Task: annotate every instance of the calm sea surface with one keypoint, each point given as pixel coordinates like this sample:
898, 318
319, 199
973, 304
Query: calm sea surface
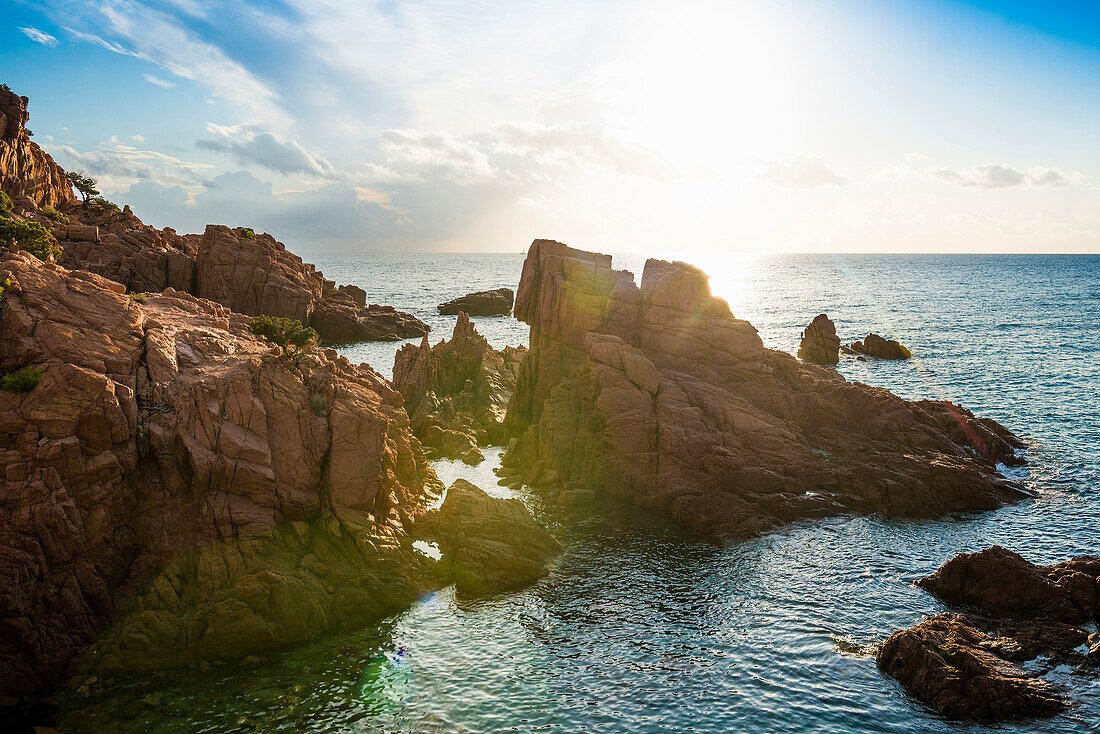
642, 629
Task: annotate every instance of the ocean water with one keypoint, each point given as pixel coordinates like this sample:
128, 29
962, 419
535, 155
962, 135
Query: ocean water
641, 628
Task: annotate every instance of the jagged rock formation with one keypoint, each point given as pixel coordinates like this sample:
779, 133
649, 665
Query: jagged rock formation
876, 346
159, 428
25, 169
457, 392
967, 666
659, 396
497, 302
820, 344
489, 544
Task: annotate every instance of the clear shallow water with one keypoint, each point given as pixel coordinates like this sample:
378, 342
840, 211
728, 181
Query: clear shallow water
643, 629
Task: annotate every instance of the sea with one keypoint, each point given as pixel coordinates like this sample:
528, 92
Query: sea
641, 627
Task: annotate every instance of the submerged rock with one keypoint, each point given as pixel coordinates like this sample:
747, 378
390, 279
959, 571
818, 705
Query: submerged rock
456, 392
659, 396
496, 302
967, 666
820, 344
161, 427
489, 544
876, 346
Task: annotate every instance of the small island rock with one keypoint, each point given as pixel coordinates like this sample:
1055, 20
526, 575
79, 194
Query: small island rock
820, 344
497, 302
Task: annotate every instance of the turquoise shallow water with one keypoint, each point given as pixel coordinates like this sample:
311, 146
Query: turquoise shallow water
642, 629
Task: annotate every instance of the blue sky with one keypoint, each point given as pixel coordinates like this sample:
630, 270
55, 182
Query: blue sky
854, 125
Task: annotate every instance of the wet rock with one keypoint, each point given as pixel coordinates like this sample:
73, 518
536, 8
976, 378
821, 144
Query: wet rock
953, 666
489, 544
820, 344
659, 396
876, 346
966, 666
496, 302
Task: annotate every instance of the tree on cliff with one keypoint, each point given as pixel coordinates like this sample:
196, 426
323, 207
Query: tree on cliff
286, 333
86, 185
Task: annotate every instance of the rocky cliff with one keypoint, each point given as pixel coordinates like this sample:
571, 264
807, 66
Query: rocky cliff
25, 169
659, 396
162, 432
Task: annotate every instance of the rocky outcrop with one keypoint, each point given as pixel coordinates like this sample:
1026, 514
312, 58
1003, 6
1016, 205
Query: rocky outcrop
659, 396
968, 666
489, 544
255, 274
496, 302
168, 456
820, 344
25, 169
457, 392
876, 346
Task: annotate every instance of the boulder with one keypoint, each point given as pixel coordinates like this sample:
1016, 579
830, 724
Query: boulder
170, 467
820, 344
25, 169
968, 666
489, 544
876, 346
497, 302
657, 395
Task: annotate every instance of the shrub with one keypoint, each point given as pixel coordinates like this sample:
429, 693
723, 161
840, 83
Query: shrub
30, 236
100, 201
139, 297
6, 204
5, 87
247, 233
318, 403
53, 214
24, 380
286, 333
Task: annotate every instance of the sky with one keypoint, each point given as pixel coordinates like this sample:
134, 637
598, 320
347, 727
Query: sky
616, 125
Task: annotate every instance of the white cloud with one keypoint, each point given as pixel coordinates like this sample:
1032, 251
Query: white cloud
578, 144
265, 148
40, 37
995, 176
156, 80
101, 42
117, 164
435, 155
803, 172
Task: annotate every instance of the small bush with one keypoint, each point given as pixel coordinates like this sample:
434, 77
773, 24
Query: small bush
101, 202
4, 285
24, 380
286, 333
53, 214
6, 204
139, 297
247, 233
318, 403
30, 236
5, 87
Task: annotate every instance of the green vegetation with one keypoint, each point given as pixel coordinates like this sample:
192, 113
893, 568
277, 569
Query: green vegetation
247, 233
85, 185
286, 333
139, 297
24, 380
30, 236
5, 87
6, 204
53, 214
101, 202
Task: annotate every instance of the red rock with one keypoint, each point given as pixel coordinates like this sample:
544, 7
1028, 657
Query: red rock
876, 346
496, 302
659, 396
25, 169
820, 344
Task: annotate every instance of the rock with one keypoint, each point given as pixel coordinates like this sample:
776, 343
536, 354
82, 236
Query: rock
999, 582
966, 666
25, 169
489, 544
820, 344
456, 393
874, 345
170, 469
82, 233
950, 664
659, 396
496, 302
473, 456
